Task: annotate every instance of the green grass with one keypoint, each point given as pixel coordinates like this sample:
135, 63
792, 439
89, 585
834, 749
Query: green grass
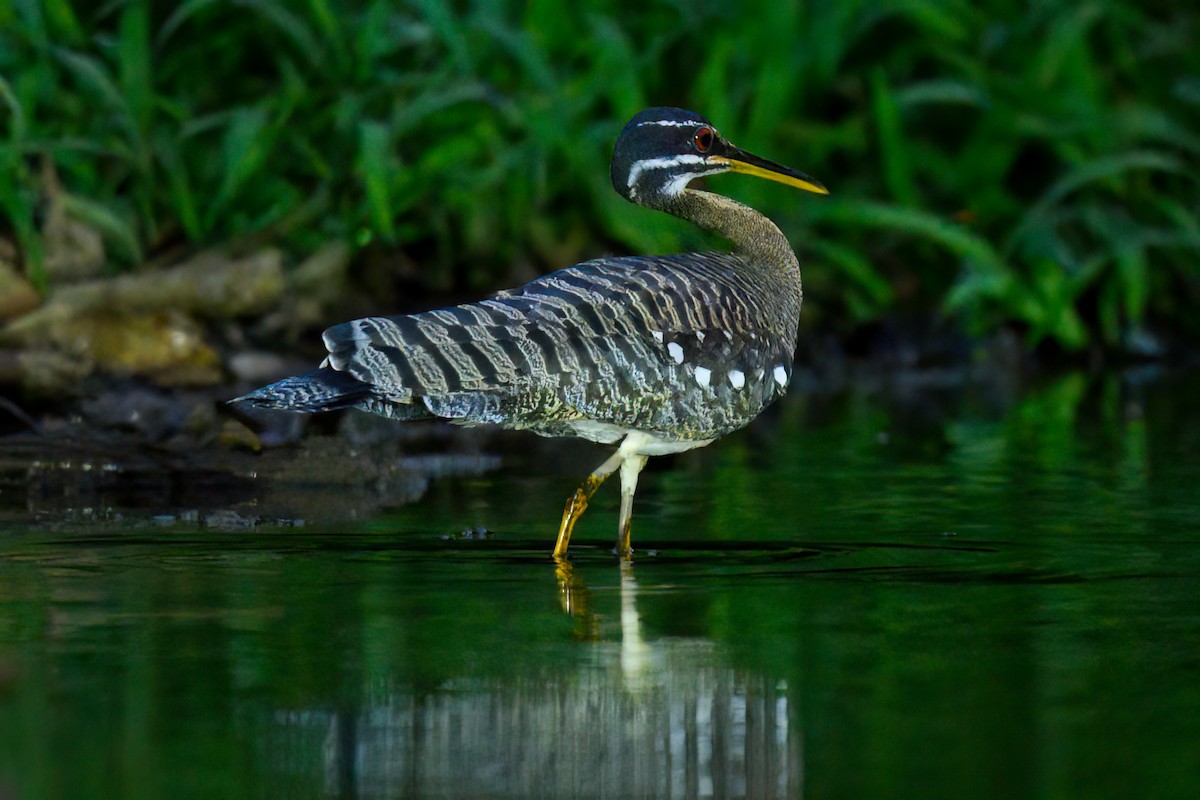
1006, 164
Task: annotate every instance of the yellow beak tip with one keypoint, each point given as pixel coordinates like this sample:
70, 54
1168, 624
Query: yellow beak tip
799, 181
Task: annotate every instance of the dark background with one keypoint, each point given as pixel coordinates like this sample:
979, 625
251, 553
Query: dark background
994, 166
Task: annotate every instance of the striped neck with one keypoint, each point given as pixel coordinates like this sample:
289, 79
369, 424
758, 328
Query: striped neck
754, 237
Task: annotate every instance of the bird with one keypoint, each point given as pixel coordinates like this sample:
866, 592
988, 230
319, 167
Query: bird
655, 354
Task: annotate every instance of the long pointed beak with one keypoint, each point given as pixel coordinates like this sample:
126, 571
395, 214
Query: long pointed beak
748, 163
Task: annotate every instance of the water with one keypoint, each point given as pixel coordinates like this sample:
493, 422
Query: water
899, 590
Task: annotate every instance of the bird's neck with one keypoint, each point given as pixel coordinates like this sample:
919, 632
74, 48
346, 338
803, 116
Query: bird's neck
754, 237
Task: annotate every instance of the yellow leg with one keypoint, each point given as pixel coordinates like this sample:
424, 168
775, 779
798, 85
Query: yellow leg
630, 468
579, 501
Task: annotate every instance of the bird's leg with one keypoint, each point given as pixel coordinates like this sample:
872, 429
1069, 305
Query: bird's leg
630, 468
579, 501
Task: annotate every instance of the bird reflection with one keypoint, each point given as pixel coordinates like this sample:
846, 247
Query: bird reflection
635, 653
576, 601
622, 713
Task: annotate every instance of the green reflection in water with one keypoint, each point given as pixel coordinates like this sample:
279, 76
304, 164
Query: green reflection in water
870, 594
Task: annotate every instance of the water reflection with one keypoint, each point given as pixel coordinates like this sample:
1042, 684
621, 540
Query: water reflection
634, 717
859, 595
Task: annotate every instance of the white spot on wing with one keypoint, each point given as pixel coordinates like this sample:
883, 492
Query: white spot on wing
728, 336
781, 375
658, 336
702, 376
676, 352
737, 378
700, 335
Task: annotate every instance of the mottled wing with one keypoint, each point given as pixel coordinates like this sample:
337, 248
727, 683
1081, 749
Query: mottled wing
666, 345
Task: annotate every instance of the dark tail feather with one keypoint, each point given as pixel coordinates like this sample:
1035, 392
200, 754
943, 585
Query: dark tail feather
322, 389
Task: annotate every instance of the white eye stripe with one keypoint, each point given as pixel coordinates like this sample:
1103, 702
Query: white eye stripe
639, 167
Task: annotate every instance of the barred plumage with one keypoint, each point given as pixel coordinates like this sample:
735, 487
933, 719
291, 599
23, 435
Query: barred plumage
663, 353
614, 340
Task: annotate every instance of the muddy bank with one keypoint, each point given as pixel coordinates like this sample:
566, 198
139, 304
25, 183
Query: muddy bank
113, 394
348, 467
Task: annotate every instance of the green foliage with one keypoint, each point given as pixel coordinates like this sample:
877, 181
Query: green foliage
1004, 162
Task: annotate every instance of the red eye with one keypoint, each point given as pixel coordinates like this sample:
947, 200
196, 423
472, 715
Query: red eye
703, 139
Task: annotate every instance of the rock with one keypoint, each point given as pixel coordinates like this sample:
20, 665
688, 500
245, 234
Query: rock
273, 428
153, 415
258, 367
1140, 342
73, 249
167, 347
321, 275
236, 435
201, 422
209, 285
17, 295
143, 324
314, 288
46, 372
441, 465
226, 519
10, 367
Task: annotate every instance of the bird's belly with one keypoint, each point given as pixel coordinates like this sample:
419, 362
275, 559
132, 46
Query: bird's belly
636, 442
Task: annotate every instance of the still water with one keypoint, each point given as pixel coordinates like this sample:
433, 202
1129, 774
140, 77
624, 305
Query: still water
887, 591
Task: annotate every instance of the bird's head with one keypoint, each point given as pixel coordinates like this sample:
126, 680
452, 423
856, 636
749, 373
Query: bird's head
662, 149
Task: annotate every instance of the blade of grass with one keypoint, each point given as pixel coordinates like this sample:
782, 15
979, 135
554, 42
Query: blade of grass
851, 263
1091, 172
914, 222
178, 18
615, 64
303, 41
167, 151
114, 228
134, 68
1134, 273
376, 169
893, 151
15, 113
62, 22
244, 148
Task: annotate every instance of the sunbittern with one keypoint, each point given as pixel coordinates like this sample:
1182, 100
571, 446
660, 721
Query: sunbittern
661, 353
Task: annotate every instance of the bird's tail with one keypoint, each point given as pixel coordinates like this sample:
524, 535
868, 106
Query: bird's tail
323, 389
